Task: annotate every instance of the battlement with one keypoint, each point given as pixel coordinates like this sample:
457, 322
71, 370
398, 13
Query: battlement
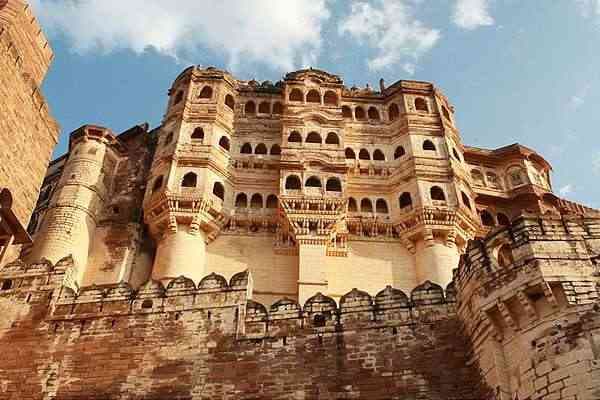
532, 239
426, 303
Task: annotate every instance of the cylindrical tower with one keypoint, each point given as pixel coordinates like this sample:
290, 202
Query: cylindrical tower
188, 186
69, 223
435, 260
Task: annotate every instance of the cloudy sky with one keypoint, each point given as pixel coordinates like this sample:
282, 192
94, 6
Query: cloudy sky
516, 71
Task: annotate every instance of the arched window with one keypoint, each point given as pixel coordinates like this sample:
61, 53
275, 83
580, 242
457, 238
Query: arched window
256, 201
219, 190
477, 177
6, 284
393, 112
493, 180
363, 154
313, 181
516, 176
178, 97
296, 95
158, 182
246, 149
293, 182
189, 180
313, 96
366, 205
399, 152
381, 206
405, 200
295, 137
260, 149
313, 137
352, 205
224, 142
275, 150
373, 113
421, 104
445, 113
264, 107
277, 108
346, 112
437, 193
486, 218
250, 107
241, 200
330, 98
378, 155
350, 154
503, 219
428, 145
198, 134
229, 102
272, 201
359, 113
206, 92
455, 154
505, 256
465, 200
333, 185
168, 139
332, 138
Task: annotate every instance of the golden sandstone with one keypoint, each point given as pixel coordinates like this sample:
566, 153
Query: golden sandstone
217, 256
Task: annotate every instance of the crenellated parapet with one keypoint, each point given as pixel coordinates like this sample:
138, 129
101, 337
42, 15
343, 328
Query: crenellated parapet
427, 303
181, 295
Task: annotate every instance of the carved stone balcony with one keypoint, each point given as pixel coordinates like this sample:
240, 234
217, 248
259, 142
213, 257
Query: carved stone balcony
193, 207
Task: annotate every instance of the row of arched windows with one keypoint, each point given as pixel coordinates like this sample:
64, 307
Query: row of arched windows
190, 180
378, 155
314, 137
293, 182
260, 148
313, 96
405, 202
256, 201
366, 205
487, 218
363, 154
264, 107
491, 177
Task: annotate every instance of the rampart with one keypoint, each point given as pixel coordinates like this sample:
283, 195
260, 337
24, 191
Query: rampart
211, 341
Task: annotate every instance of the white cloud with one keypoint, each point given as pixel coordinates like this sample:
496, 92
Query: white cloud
565, 190
391, 29
596, 163
578, 99
472, 14
588, 8
281, 33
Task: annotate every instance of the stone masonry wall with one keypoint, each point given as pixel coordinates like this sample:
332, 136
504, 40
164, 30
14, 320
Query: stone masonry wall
212, 342
28, 133
529, 296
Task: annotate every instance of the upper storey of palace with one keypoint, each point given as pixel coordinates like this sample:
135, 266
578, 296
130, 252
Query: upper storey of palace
374, 137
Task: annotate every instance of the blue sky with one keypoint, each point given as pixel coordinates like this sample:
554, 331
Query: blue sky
516, 71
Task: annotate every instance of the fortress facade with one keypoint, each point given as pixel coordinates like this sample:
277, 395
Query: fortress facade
289, 240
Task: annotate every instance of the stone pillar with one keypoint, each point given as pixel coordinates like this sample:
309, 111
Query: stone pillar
180, 253
312, 274
69, 223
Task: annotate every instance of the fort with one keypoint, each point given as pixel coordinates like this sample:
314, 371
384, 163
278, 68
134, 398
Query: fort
290, 240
